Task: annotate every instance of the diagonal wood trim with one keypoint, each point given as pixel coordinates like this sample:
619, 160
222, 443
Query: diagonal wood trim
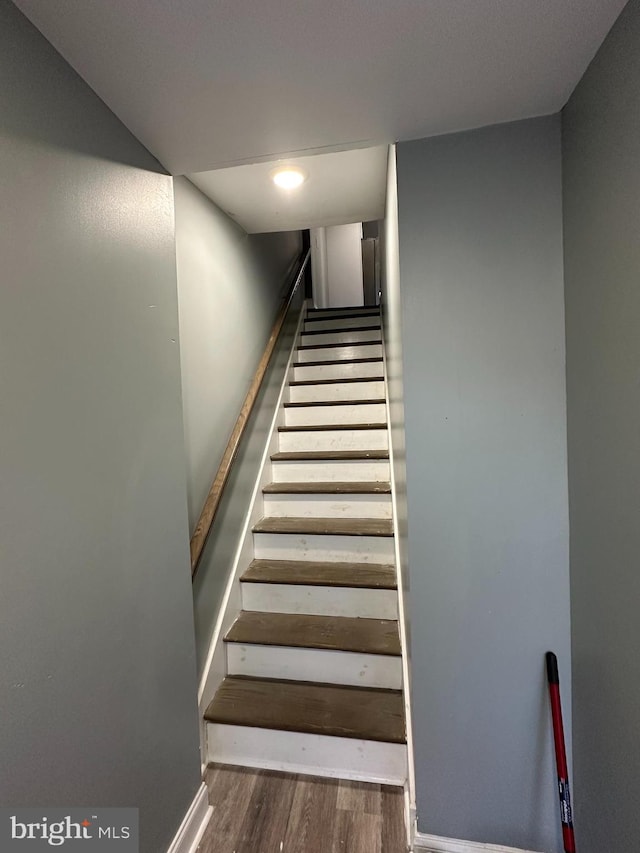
212, 502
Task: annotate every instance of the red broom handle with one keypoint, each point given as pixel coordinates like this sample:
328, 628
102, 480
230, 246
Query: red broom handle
561, 756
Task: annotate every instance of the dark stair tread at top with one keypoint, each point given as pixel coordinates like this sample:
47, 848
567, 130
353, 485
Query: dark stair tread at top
370, 401
324, 427
334, 346
335, 633
337, 361
312, 573
365, 713
345, 329
325, 526
337, 381
327, 455
374, 487
329, 317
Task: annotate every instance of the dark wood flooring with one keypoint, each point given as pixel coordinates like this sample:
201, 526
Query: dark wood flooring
261, 811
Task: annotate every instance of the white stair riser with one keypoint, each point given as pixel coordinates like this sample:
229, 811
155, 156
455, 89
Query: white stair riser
326, 439
333, 323
320, 600
336, 391
327, 506
316, 471
348, 370
331, 548
358, 413
317, 755
325, 666
337, 353
341, 337
341, 312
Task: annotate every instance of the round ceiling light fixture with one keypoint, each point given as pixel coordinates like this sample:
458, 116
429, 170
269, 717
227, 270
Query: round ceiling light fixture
288, 177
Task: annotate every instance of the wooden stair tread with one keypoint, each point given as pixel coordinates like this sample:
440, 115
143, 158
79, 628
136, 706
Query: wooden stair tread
321, 427
337, 361
374, 487
367, 402
327, 455
312, 573
337, 633
336, 381
324, 709
345, 329
335, 346
326, 526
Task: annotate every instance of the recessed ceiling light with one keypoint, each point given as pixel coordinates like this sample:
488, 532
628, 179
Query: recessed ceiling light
288, 177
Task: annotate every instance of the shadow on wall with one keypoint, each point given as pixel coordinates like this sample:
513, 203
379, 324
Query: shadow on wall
83, 131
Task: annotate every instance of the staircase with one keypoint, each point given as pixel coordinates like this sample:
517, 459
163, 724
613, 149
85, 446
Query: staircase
314, 664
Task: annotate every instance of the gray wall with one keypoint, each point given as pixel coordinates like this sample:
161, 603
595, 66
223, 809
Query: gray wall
97, 674
601, 157
230, 288
483, 352
230, 284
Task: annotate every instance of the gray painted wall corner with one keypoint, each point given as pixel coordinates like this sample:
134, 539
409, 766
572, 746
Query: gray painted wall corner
601, 183
97, 673
481, 278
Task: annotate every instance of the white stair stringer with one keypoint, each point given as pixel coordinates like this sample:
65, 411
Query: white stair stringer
335, 379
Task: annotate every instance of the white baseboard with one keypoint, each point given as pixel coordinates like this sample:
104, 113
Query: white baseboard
437, 844
194, 824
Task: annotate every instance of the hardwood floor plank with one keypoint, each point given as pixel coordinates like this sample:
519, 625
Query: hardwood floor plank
313, 816
230, 792
394, 835
360, 797
357, 832
268, 814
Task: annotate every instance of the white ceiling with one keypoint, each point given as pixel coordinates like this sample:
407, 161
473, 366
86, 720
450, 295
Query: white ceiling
210, 83
343, 187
